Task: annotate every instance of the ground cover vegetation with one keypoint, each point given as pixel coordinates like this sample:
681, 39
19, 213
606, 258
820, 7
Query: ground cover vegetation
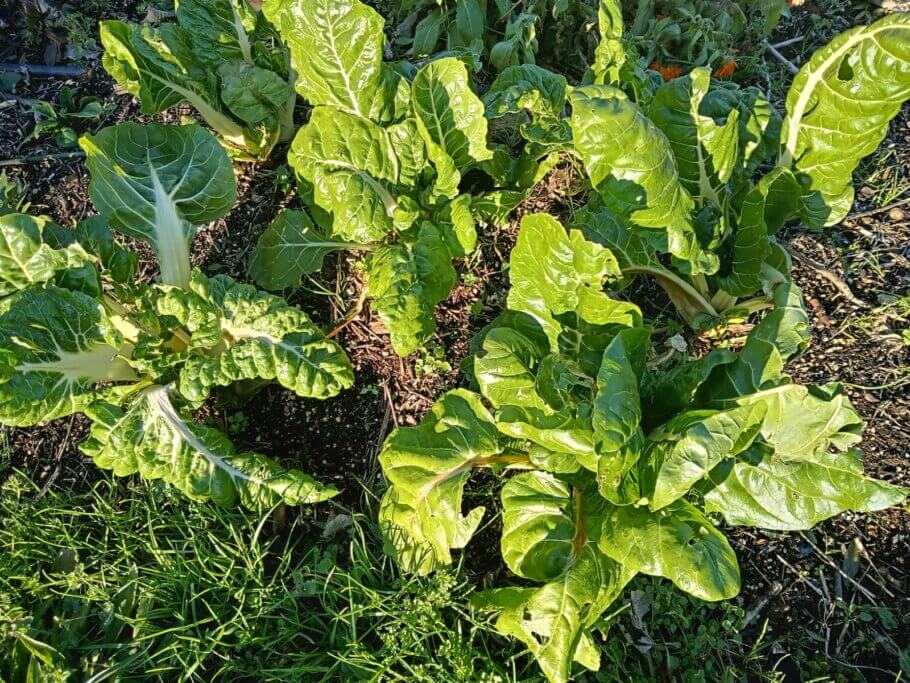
599, 434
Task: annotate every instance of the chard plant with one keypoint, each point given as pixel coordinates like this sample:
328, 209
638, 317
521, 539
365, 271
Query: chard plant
79, 334
222, 58
708, 172
383, 164
612, 465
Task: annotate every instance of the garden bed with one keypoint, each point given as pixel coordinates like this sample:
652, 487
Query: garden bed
834, 597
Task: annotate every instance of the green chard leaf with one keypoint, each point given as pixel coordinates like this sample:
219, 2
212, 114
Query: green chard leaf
220, 28
669, 392
540, 93
427, 467
538, 525
761, 490
158, 182
635, 255
617, 406
25, 256
765, 209
632, 167
693, 443
706, 148
291, 247
610, 54
677, 542
550, 534
336, 51
554, 272
406, 282
506, 368
354, 169
208, 61
153, 438
838, 110
261, 337
450, 118
159, 67
251, 93
95, 236
55, 345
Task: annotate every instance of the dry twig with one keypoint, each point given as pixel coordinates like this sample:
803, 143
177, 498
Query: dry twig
841, 286
779, 57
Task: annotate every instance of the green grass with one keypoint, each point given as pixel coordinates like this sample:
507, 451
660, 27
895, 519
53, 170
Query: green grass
128, 581
134, 583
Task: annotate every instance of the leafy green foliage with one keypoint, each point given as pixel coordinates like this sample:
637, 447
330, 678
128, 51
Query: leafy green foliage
507, 34
77, 334
61, 121
861, 77
221, 57
156, 183
692, 188
623, 464
382, 164
694, 33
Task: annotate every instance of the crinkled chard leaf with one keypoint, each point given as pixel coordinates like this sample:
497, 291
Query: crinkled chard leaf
25, 256
220, 28
406, 282
632, 167
152, 437
54, 346
553, 272
354, 169
506, 368
565, 431
336, 50
538, 525
260, 337
540, 93
610, 54
450, 118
